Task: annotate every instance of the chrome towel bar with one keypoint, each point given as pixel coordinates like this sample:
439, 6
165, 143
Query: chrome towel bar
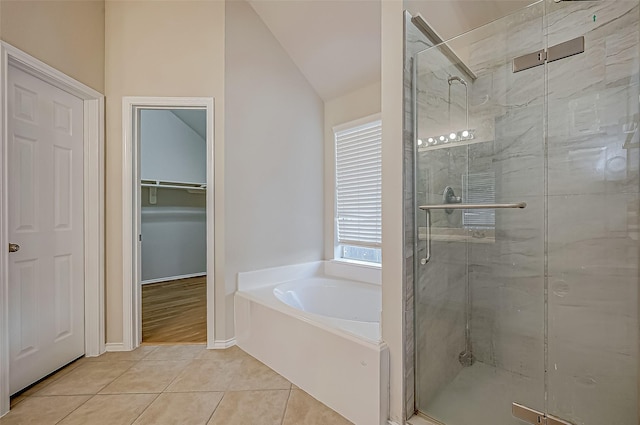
471, 206
428, 208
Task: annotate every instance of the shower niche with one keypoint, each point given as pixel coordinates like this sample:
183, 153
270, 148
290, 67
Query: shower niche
525, 229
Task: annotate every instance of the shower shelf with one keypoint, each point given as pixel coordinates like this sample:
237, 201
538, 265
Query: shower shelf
458, 235
451, 145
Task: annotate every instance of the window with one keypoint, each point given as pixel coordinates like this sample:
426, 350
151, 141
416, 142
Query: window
479, 188
359, 191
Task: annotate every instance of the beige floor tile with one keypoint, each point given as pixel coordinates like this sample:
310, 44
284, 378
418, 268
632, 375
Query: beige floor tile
251, 408
231, 353
54, 377
146, 376
42, 410
255, 375
206, 375
180, 408
135, 355
88, 378
121, 409
302, 409
177, 352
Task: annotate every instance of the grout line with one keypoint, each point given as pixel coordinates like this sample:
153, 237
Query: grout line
188, 363
145, 409
216, 408
286, 406
79, 406
96, 393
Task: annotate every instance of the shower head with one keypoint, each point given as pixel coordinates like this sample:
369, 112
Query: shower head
458, 79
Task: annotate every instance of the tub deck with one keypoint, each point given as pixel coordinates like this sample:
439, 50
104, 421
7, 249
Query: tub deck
343, 365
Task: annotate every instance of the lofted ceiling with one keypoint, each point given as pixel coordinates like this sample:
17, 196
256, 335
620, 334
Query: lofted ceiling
194, 118
336, 43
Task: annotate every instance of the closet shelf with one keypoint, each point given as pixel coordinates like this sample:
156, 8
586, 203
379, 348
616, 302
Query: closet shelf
174, 185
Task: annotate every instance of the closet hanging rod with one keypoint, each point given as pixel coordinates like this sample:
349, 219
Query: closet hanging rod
471, 206
194, 186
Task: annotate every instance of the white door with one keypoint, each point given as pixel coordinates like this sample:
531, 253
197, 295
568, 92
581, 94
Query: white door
46, 274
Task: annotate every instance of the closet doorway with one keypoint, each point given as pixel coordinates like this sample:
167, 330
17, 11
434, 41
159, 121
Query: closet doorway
171, 220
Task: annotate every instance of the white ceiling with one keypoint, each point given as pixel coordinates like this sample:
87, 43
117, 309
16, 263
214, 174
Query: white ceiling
336, 43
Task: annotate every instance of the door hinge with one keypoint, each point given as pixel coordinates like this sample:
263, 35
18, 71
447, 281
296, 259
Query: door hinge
554, 53
535, 417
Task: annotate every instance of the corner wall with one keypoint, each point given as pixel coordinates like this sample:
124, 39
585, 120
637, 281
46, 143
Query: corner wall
168, 48
273, 154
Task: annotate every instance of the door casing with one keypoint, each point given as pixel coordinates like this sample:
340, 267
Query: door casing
93, 130
132, 294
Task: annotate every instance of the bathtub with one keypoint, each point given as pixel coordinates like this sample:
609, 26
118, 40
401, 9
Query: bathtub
320, 328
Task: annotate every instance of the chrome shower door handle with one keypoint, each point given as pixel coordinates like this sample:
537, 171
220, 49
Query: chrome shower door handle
14, 247
427, 257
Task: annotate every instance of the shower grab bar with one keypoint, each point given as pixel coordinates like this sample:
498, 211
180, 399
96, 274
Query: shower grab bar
428, 208
471, 206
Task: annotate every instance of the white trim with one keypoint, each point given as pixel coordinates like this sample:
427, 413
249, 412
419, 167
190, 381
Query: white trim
114, 346
170, 278
131, 297
93, 205
221, 345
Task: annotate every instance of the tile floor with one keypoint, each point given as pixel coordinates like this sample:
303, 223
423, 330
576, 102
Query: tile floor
168, 385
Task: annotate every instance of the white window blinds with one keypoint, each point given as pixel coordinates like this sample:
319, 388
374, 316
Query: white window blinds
359, 185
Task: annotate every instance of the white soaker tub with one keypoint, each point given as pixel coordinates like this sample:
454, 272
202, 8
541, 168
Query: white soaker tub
322, 332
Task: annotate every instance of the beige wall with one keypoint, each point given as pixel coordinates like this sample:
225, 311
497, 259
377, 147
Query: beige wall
349, 107
67, 35
274, 154
158, 48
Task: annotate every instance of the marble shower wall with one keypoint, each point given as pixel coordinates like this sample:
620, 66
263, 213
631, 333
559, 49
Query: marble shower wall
507, 275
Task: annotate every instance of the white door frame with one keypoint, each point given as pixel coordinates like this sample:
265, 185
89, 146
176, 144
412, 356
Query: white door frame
93, 205
132, 297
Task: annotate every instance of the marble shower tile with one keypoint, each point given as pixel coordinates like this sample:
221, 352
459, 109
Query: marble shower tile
590, 386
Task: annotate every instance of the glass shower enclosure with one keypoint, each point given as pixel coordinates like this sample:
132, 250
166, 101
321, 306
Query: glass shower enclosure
525, 219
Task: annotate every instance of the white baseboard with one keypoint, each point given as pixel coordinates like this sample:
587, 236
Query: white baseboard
221, 345
392, 423
167, 279
114, 346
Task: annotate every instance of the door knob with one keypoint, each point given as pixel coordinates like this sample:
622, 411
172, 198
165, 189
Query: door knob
14, 247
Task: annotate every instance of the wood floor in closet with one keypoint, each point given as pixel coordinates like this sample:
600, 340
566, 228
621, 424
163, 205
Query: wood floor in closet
175, 311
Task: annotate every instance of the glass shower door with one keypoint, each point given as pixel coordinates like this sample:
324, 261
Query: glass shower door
479, 293
593, 186
534, 307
